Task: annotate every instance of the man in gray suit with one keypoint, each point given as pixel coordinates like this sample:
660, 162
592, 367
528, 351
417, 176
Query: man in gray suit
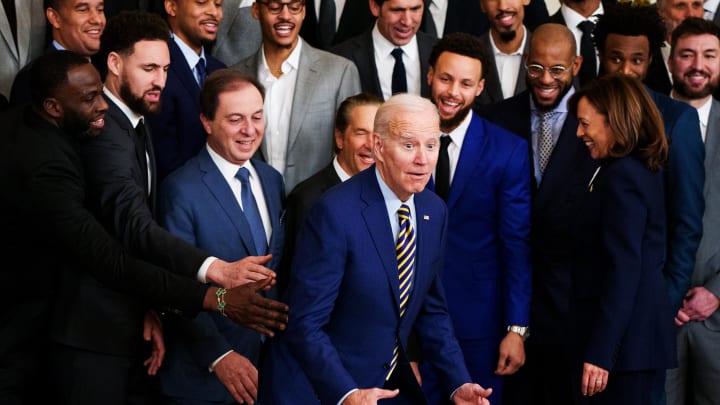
504, 44
239, 33
22, 33
695, 69
304, 88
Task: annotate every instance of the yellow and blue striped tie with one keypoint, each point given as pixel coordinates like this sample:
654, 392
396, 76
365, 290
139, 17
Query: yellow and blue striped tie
405, 253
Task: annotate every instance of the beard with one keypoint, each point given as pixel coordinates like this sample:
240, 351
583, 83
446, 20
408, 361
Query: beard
138, 104
78, 126
688, 93
544, 108
507, 36
452, 122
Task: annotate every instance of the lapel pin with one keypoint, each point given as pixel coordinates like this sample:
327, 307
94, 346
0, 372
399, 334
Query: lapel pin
426, 217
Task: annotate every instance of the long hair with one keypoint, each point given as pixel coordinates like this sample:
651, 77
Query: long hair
635, 122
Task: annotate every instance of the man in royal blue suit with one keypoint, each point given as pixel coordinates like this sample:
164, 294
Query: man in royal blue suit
484, 176
205, 202
178, 133
365, 273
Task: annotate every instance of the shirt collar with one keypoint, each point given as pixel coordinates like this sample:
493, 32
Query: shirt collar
391, 200
561, 108
457, 135
385, 47
342, 174
228, 169
518, 51
291, 63
711, 5
704, 112
573, 18
188, 53
130, 114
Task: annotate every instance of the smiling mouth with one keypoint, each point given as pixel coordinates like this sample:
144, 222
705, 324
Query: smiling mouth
284, 28
98, 123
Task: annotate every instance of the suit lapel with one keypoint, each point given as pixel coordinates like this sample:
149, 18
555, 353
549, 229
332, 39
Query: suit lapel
492, 81
561, 161
422, 223
469, 152
307, 77
220, 190
125, 124
272, 204
712, 141
520, 85
179, 65
230, 12
7, 32
367, 56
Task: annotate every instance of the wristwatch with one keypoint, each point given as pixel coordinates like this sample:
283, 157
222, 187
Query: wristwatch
523, 331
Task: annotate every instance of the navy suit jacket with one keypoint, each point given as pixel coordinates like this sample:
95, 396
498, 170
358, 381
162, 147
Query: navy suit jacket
197, 205
487, 272
621, 320
177, 131
554, 200
344, 296
361, 51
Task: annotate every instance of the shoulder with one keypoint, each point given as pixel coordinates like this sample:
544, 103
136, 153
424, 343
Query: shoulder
362, 42
248, 65
425, 41
213, 63
326, 60
496, 133
188, 173
267, 172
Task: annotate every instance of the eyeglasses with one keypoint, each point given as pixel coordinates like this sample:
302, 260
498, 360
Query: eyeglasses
275, 7
535, 70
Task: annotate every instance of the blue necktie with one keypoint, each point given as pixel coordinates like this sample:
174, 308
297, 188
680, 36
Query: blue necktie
201, 72
399, 81
251, 211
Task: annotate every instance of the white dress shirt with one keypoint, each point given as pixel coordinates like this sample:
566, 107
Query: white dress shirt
438, 11
573, 18
341, 173
279, 94
508, 65
385, 63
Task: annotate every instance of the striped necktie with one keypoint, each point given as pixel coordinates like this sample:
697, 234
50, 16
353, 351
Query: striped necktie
405, 253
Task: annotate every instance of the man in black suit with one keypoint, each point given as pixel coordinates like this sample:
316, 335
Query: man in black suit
353, 154
580, 16
561, 170
352, 19
392, 57
45, 219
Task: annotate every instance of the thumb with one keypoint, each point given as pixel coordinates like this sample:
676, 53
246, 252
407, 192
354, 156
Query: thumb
260, 259
387, 393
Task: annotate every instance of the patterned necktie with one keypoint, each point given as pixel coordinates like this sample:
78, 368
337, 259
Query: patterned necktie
405, 254
326, 23
588, 68
251, 211
545, 139
201, 72
399, 81
442, 173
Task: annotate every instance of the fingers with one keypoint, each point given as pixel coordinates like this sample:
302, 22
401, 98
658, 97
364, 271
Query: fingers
594, 379
247, 308
380, 393
502, 364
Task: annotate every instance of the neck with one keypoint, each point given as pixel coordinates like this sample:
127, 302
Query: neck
585, 8
276, 55
511, 46
197, 48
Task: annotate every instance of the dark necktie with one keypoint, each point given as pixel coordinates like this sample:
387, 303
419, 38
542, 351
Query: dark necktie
251, 211
326, 23
442, 172
201, 72
588, 69
405, 254
141, 151
428, 23
9, 6
399, 81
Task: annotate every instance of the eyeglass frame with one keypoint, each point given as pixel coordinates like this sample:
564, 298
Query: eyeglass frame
277, 11
541, 72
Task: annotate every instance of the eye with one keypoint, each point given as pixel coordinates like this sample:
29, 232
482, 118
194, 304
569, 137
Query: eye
638, 61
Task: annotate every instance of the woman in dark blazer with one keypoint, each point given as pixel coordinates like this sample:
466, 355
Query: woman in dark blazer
621, 320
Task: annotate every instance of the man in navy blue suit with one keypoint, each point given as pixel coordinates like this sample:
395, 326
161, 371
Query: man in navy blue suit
483, 174
178, 132
356, 293
204, 203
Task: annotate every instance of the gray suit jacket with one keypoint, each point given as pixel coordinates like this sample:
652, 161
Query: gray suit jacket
31, 40
707, 265
492, 93
238, 35
324, 80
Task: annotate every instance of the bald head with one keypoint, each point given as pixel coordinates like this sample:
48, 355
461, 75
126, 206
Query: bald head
554, 35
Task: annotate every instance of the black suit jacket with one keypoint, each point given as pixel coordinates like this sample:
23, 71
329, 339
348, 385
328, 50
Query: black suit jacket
298, 205
554, 202
46, 223
360, 50
355, 19
658, 77
492, 93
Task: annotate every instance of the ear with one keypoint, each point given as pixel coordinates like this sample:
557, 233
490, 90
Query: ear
576, 65
255, 11
480, 87
53, 107
377, 147
339, 139
206, 124
374, 8
171, 7
430, 73
53, 17
114, 63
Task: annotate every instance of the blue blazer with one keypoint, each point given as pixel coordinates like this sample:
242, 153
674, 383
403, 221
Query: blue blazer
197, 205
177, 131
621, 319
487, 271
344, 300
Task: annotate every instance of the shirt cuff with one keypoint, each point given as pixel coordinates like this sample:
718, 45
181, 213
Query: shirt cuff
346, 395
215, 363
202, 272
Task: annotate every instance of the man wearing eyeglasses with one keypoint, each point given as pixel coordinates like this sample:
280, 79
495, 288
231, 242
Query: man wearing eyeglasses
304, 88
177, 132
561, 168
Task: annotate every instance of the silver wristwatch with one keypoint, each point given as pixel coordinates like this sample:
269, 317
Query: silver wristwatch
523, 331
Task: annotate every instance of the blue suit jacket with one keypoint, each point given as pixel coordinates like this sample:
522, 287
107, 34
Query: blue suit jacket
197, 205
621, 319
177, 131
344, 304
487, 271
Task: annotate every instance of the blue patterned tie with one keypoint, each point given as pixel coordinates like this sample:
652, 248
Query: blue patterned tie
251, 211
405, 254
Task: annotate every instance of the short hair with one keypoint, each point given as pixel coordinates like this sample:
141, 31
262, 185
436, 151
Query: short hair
126, 29
461, 44
693, 26
630, 20
400, 102
222, 81
635, 122
49, 72
342, 118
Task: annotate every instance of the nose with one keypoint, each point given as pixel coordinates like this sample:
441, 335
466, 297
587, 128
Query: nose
697, 62
579, 132
96, 16
626, 68
102, 105
285, 11
159, 78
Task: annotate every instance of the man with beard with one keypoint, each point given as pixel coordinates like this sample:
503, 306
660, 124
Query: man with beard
483, 174
179, 135
122, 185
561, 169
506, 43
695, 68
